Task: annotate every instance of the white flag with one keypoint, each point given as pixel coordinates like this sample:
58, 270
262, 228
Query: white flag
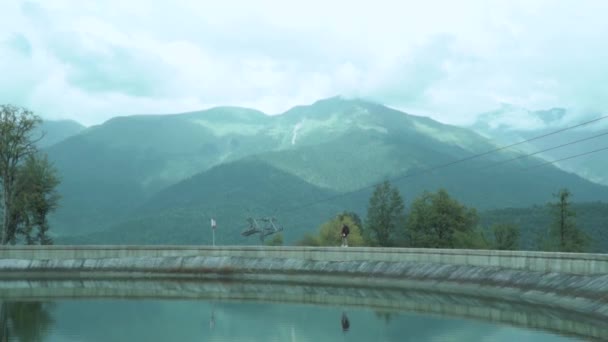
213, 224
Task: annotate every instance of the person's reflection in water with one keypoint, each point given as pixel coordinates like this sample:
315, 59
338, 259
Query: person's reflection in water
345, 322
212, 319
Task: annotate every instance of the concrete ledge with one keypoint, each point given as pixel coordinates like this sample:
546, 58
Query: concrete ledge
572, 263
584, 294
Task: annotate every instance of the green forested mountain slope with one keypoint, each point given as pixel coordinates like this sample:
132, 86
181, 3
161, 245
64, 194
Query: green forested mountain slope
131, 173
591, 217
229, 193
111, 168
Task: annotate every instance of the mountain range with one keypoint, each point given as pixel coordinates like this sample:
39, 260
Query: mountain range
510, 124
160, 178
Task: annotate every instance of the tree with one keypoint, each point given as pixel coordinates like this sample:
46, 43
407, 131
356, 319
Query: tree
25, 321
506, 236
354, 216
27, 179
36, 197
385, 215
277, 240
309, 240
438, 221
564, 236
329, 233
473, 238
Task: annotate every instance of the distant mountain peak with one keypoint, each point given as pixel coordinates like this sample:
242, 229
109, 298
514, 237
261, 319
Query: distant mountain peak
513, 117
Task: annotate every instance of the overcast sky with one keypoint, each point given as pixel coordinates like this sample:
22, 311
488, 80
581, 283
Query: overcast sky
91, 60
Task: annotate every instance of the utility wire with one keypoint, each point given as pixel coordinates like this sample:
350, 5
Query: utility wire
427, 170
570, 157
541, 164
301, 221
541, 151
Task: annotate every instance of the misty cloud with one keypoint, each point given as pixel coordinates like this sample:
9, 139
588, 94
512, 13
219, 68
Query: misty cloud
91, 61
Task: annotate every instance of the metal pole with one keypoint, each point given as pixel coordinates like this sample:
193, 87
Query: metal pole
213, 225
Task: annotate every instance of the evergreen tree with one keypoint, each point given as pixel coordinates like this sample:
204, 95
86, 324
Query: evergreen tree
564, 236
385, 216
506, 236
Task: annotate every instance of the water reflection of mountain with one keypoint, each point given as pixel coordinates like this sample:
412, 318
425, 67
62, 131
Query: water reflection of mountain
25, 321
257, 304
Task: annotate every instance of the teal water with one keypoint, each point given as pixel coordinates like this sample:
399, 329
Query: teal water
107, 319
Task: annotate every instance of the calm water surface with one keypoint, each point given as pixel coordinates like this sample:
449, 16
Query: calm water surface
204, 320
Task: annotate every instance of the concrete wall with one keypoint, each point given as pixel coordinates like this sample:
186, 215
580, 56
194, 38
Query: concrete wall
570, 263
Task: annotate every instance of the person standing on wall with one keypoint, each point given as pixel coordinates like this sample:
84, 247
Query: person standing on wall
345, 232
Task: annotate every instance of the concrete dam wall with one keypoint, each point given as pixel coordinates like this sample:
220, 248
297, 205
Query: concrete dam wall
571, 263
576, 283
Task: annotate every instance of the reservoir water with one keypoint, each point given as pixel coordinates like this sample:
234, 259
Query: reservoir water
227, 312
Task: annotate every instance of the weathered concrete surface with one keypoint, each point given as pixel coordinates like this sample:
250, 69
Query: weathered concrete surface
584, 294
583, 264
576, 283
387, 300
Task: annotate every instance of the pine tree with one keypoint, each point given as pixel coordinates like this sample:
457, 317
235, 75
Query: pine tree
564, 236
506, 236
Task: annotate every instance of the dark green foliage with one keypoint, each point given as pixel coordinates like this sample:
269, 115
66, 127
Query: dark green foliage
329, 233
471, 239
353, 216
111, 169
592, 218
308, 240
563, 234
505, 236
385, 216
25, 321
276, 240
16, 125
35, 198
230, 193
133, 188
27, 178
438, 221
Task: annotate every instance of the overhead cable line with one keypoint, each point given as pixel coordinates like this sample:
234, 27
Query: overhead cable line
541, 151
430, 169
538, 165
566, 158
